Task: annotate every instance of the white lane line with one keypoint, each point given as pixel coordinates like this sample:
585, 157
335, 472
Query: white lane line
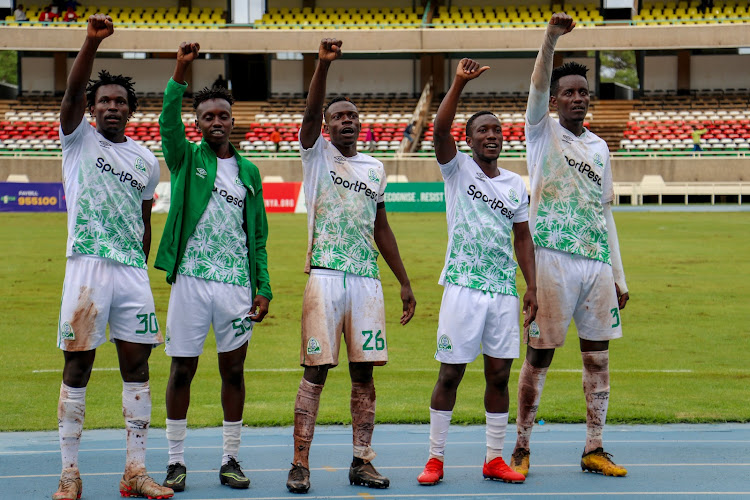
330, 445
413, 370
398, 467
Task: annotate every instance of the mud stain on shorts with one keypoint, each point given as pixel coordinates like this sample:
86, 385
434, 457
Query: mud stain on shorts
83, 323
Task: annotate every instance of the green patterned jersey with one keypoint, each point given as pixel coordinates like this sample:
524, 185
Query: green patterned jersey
342, 195
217, 249
105, 185
481, 212
571, 179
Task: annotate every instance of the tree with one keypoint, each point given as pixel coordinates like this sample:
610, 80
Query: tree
9, 66
619, 66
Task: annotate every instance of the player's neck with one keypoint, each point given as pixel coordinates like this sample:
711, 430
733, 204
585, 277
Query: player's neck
113, 137
222, 150
574, 126
489, 167
348, 150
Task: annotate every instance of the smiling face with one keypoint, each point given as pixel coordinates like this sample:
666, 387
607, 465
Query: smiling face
111, 110
486, 138
214, 119
572, 98
342, 124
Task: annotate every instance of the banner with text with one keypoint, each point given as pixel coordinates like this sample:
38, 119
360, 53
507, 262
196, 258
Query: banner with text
32, 197
415, 197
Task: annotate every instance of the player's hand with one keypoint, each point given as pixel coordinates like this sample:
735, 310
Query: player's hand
259, 309
530, 307
100, 27
560, 24
468, 69
410, 303
622, 298
188, 52
330, 49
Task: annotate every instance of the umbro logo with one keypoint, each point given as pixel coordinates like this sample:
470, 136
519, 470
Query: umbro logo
201, 172
482, 177
567, 139
105, 144
339, 159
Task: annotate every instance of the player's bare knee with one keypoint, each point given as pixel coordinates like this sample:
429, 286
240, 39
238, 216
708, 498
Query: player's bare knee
539, 358
316, 374
360, 373
182, 372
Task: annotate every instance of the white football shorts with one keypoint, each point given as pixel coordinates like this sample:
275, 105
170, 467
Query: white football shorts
473, 322
195, 304
99, 291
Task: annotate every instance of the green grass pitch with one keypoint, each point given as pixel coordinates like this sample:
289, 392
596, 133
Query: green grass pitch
683, 357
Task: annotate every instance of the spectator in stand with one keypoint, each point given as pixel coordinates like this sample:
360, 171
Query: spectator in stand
221, 82
70, 15
275, 138
409, 132
706, 6
697, 133
20, 14
47, 16
370, 139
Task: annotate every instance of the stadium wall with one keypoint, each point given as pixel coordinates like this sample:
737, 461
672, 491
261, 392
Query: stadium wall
425, 169
150, 75
508, 74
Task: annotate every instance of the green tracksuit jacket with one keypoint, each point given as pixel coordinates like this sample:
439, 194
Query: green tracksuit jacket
193, 169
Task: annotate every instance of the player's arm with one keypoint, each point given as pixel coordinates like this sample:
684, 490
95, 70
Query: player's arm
386, 242
73, 104
171, 128
621, 287
312, 120
524, 247
538, 104
146, 206
263, 295
445, 145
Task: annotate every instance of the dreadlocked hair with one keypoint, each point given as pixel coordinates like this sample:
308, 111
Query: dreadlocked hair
569, 68
206, 94
107, 78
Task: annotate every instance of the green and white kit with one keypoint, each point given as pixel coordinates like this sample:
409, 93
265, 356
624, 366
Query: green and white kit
571, 178
105, 185
342, 195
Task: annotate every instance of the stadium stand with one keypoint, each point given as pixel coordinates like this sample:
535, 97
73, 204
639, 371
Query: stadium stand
684, 12
356, 18
136, 17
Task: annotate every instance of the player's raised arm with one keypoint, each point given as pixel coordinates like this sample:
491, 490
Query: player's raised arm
386, 242
445, 145
73, 104
174, 142
329, 51
538, 105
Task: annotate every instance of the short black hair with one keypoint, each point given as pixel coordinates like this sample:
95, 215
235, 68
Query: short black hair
334, 101
474, 117
569, 68
206, 94
107, 78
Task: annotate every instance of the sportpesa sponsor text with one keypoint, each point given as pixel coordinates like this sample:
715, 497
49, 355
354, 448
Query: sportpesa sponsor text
585, 169
125, 177
356, 186
494, 203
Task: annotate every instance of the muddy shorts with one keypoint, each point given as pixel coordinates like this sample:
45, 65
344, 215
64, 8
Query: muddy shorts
98, 291
336, 302
195, 304
474, 322
574, 287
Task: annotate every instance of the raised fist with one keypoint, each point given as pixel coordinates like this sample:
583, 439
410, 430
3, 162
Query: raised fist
188, 52
468, 69
100, 27
330, 49
560, 24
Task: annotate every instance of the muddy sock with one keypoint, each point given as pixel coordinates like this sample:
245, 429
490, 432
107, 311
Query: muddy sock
305, 413
136, 408
530, 385
71, 410
596, 390
363, 419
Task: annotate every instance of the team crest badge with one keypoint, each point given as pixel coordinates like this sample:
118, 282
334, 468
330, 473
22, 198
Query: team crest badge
313, 346
66, 332
598, 160
533, 330
513, 195
444, 343
201, 172
373, 176
140, 165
